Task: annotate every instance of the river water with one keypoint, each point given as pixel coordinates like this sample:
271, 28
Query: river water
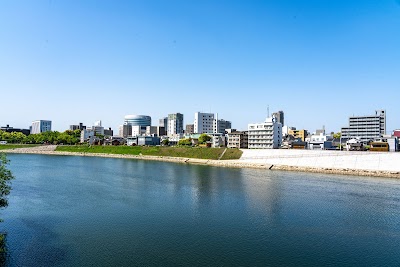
87, 211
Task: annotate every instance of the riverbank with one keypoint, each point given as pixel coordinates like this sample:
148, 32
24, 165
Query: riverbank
165, 151
332, 162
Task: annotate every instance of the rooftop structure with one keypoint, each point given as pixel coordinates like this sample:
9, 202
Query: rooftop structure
137, 120
279, 116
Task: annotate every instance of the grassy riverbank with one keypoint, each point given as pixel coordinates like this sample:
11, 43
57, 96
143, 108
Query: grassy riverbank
12, 146
184, 152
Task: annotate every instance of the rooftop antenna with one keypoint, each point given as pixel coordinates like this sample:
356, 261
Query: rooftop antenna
268, 111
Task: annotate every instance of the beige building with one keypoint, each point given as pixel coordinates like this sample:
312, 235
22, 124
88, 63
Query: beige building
189, 129
238, 139
302, 134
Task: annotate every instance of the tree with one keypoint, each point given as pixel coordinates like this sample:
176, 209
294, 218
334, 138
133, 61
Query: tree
337, 135
165, 142
204, 138
5, 181
185, 142
5, 188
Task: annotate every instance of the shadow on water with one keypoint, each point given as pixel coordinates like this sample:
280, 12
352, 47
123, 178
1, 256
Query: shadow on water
39, 243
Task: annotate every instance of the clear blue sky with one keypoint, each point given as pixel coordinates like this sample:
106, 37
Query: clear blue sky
319, 61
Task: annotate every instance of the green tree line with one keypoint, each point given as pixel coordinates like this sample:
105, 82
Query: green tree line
52, 137
5, 188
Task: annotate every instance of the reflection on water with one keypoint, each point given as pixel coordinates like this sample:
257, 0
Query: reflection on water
3, 249
80, 211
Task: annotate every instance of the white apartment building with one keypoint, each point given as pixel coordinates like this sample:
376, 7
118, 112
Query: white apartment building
218, 140
40, 126
265, 135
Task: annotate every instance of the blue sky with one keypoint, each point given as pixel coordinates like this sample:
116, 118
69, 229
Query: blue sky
319, 61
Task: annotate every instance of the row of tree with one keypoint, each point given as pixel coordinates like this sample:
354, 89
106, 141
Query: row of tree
5, 188
203, 138
52, 137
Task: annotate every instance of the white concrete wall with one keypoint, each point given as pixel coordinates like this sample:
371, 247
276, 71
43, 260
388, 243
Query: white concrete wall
364, 160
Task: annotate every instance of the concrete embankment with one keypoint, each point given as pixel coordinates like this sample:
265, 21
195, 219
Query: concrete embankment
383, 164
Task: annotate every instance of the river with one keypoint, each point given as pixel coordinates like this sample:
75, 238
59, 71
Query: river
88, 211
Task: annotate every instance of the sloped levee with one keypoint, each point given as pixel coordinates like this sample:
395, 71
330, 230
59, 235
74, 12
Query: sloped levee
385, 164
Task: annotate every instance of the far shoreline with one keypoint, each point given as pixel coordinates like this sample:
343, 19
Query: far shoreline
218, 163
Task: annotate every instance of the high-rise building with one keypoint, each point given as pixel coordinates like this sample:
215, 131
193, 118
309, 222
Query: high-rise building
265, 135
125, 130
175, 124
203, 122
366, 128
279, 117
163, 123
40, 126
221, 125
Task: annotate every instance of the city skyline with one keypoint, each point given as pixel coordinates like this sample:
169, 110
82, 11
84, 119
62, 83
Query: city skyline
319, 62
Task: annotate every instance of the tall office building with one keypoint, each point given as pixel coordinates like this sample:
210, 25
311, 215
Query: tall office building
203, 122
175, 124
221, 125
366, 128
163, 123
279, 117
126, 130
40, 126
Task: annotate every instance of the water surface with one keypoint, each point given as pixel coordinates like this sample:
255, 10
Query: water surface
86, 211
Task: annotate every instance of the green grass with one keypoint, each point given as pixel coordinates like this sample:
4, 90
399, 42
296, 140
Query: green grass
232, 153
12, 146
185, 152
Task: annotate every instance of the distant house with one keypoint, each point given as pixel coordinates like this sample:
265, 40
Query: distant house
319, 141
